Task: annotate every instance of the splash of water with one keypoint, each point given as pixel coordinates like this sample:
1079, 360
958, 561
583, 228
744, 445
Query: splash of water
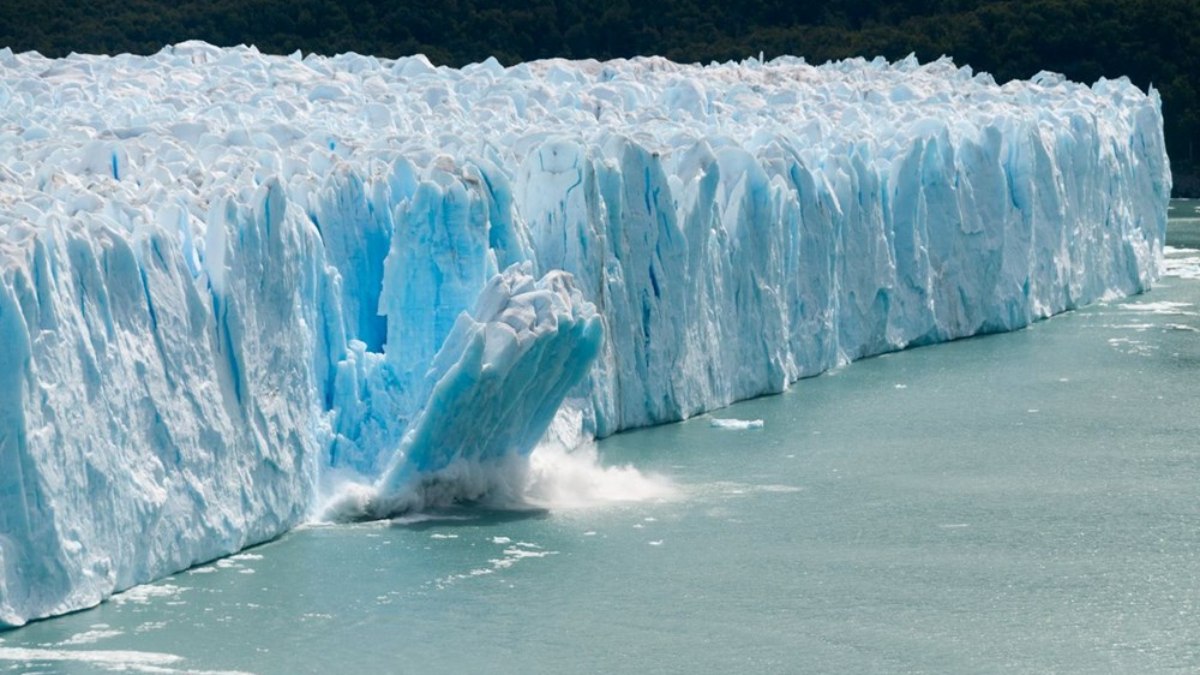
554, 477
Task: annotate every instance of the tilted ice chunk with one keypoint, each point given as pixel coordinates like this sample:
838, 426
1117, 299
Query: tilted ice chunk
498, 381
502, 373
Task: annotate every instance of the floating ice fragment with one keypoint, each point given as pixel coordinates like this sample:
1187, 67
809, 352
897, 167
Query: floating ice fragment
735, 424
141, 595
779, 489
89, 637
1165, 307
107, 659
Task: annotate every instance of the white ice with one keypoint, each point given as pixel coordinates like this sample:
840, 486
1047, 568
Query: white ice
234, 287
736, 424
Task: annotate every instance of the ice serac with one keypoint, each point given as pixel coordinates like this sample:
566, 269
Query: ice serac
236, 288
496, 383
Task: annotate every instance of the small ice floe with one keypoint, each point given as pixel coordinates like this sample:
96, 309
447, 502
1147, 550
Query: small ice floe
1164, 307
1134, 347
106, 659
142, 595
521, 550
97, 633
735, 424
780, 489
1183, 263
1181, 326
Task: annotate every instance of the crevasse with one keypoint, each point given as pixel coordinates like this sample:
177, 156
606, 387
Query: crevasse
234, 287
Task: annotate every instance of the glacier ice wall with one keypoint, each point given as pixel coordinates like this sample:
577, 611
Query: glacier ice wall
232, 285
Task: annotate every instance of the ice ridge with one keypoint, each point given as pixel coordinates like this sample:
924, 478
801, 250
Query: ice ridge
236, 288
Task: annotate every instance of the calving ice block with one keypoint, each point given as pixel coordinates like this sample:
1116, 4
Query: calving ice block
239, 289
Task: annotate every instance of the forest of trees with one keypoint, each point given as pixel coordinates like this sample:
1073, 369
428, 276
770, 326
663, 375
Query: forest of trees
1151, 41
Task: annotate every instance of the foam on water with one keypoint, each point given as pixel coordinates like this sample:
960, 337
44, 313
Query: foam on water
552, 477
512, 554
562, 479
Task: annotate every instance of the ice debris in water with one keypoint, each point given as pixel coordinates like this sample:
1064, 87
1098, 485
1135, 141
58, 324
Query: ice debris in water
1183, 263
736, 424
236, 286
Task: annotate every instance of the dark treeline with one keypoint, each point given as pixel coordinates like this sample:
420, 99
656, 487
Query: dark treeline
1151, 41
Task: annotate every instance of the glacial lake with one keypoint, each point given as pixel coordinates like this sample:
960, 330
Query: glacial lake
1027, 502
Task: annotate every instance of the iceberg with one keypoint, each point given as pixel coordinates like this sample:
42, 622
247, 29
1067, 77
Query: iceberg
239, 290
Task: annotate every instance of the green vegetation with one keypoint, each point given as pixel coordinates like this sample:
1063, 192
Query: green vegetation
1151, 41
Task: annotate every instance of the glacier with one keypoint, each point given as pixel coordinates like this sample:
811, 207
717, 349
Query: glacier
239, 291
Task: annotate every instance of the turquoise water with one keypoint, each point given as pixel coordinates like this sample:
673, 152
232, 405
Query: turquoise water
1183, 225
1026, 502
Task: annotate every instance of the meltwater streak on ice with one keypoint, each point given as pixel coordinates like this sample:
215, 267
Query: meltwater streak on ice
229, 277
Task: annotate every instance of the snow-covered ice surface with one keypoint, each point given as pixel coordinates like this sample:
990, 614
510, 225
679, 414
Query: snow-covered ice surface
237, 288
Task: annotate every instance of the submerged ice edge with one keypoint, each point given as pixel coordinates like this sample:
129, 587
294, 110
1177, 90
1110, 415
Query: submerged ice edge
229, 277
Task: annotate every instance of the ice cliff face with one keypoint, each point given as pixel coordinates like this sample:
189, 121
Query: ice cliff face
231, 283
